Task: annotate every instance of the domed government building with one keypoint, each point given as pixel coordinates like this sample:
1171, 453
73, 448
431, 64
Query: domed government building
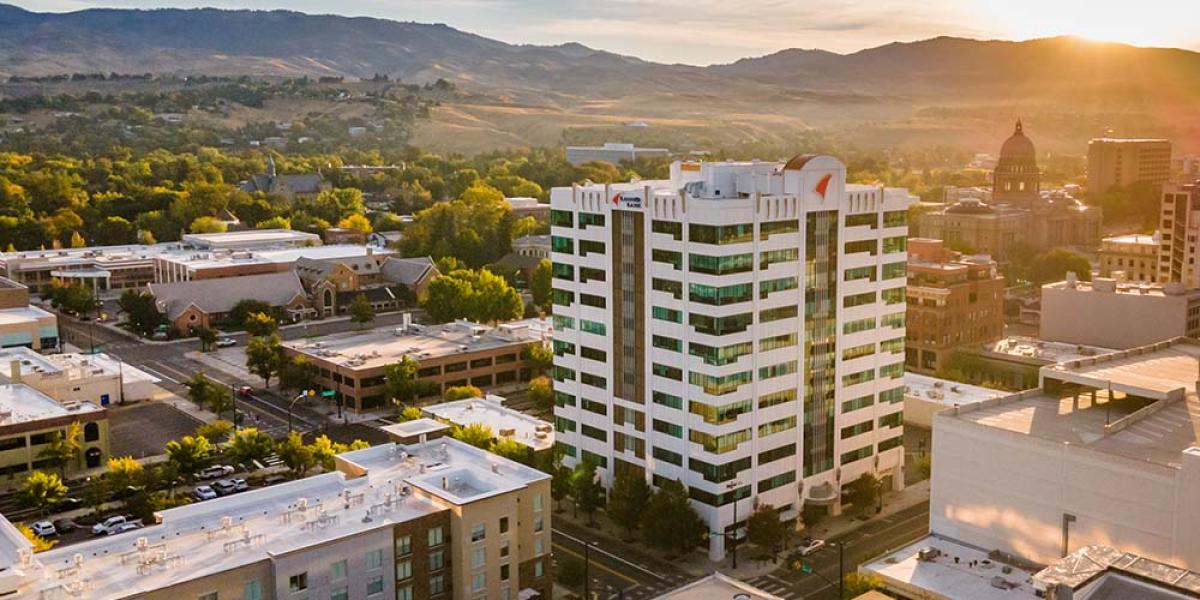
1016, 211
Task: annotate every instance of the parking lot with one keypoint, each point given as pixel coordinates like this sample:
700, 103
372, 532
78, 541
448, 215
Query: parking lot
143, 429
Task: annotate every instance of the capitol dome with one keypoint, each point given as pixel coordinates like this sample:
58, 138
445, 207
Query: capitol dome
1017, 145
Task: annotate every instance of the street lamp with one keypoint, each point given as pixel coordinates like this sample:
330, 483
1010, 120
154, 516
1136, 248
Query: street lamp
732, 487
841, 584
291, 404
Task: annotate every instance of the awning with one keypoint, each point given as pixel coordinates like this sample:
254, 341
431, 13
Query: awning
822, 495
528, 594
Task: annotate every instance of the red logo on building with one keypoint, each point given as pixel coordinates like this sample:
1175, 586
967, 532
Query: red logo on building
823, 185
617, 198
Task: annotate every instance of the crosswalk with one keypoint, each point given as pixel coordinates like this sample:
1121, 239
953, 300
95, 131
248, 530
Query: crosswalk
774, 585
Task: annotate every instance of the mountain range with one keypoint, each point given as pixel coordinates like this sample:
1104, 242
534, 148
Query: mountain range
1102, 84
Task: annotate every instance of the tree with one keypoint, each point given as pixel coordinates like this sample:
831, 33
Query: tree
512, 450
248, 445
857, 584
207, 225
189, 455
113, 231
410, 413
539, 284
560, 485
863, 492
323, 452
41, 491
539, 356
295, 373
586, 491
206, 393
296, 455
141, 311
402, 380
669, 522
1053, 265
260, 324
571, 573
462, 392
627, 500
361, 311
262, 357
40, 544
541, 393
244, 307
123, 472
75, 297
77, 240
63, 447
475, 434
207, 337
355, 222
764, 530
216, 431
480, 296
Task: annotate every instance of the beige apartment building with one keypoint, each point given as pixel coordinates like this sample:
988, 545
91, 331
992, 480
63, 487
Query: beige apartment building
1135, 256
29, 420
1114, 162
433, 520
22, 325
1179, 226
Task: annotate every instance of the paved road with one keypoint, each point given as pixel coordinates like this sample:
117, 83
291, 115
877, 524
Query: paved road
616, 572
863, 544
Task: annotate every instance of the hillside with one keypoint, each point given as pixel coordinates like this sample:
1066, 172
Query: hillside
941, 91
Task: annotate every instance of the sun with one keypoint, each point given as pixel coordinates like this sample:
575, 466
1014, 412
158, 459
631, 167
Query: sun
1150, 23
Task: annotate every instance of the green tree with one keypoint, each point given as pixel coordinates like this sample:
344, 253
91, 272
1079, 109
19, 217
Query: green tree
39, 543
296, 454
141, 311
512, 450
260, 324
323, 451
206, 393
541, 393
207, 225
410, 413
560, 485
41, 491
75, 297
586, 491
262, 357
669, 522
207, 337
216, 431
627, 500
863, 493
1053, 265
295, 373
63, 447
764, 530
462, 392
355, 222
189, 455
540, 357
475, 434
122, 473
361, 311
571, 573
248, 445
402, 380
539, 284
245, 307
857, 584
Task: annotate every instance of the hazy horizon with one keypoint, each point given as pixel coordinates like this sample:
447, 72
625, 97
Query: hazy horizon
702, 32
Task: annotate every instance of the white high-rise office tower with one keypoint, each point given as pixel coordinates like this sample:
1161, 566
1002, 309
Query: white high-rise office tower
739, 328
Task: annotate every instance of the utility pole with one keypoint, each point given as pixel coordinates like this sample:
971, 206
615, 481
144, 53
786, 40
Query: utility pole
732, 487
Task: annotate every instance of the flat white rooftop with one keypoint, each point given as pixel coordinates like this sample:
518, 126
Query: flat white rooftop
1139, 239
210, 537
945, 578
944, 391
250, 237
20, 403
504, 422
24, 314
718, 586
1040, 350
382, 347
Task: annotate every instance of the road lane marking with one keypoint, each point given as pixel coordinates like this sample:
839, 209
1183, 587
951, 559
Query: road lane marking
598, 564
610, 555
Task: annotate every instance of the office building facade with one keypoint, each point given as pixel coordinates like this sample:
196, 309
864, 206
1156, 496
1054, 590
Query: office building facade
738, 328
1116, 162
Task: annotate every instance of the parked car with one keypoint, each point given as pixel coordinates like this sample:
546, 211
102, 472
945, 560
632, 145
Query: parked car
245, 391
44, 529
106, 525
123, 527
240, 485
204, 492
68, 503
65, 525
274, 479
809, 546
216, 471
224, 487
226, 342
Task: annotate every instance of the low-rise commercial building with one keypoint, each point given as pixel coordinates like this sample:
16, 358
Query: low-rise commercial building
1132, 257
29, 420
505, 423
189, 305
96, 378
1104, 452
434, 519
203, 264
925, 396
1113, 314
954, 301
1013, 363
354, 365
611, 153
22, 325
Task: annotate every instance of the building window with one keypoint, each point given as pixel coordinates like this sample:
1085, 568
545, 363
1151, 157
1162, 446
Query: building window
404, 593
437, 585
478, 532
478, 582
538, 570
298, 582
375, 586
539, 547
252, 590
435, 537
403, 570
337, 571
537, 502
503, 548
503, 525
342, 593
437, 560
374, 560
209, 596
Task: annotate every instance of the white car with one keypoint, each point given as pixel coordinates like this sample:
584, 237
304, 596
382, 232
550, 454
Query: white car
44, 529
216, 472
108, 524
204, 492
123, 527
226, 342
809, 546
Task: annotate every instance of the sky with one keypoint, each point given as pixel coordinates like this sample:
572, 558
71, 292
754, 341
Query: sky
704, 32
